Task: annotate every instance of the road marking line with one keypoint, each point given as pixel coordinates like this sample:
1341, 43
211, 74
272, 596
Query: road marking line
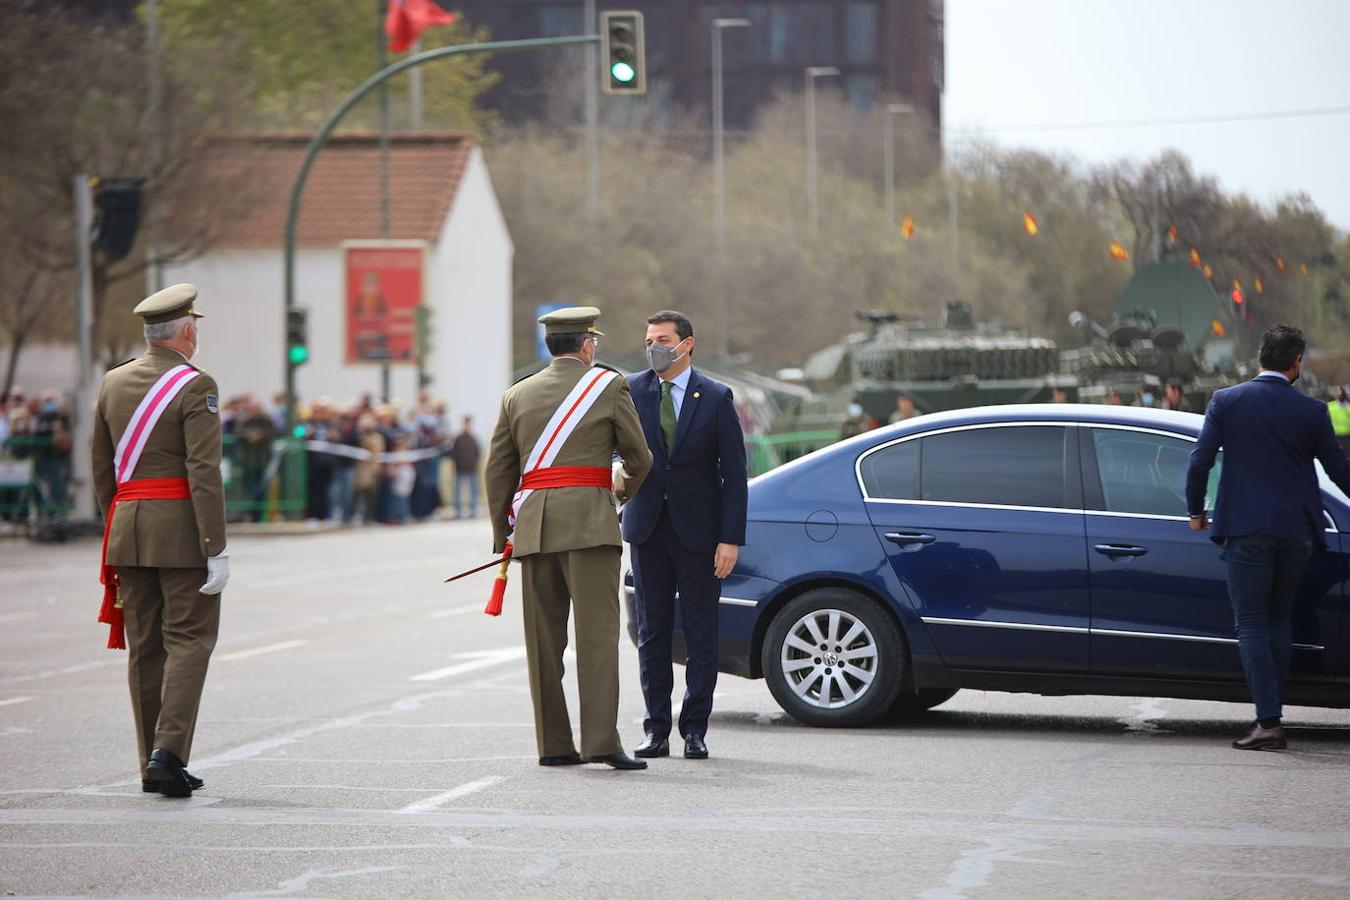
258, 651
10, 617
11, 701
486, 659
454, 611
463, 790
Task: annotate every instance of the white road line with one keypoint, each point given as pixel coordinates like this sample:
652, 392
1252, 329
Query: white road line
397, 565
12, 700
486, 659
455, 611
258, 651
463, 790
11, 617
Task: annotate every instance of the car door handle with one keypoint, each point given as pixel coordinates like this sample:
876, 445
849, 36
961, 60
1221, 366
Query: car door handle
910, 537
1120, 550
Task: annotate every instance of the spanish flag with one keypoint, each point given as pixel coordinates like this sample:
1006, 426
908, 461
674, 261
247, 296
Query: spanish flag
405, 20
1279, 264
1118, 251
1260, 285
907, 227
1217, 327
1195, 257
1172, 233
1029, 224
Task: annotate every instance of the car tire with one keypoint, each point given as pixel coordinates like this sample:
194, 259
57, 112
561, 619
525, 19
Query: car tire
842, 684
910, 703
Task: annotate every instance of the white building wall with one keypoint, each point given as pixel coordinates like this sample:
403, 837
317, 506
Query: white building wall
471, 282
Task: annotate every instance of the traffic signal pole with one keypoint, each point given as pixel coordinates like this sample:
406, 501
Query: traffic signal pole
320, 138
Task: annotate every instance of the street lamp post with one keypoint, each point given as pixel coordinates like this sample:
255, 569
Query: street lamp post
813, 207
719, 174
892, 110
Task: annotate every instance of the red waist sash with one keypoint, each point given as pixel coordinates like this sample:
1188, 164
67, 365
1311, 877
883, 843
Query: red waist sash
110, 613
566, 476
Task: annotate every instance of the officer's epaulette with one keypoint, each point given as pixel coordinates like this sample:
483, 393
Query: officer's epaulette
600, 365
122, 363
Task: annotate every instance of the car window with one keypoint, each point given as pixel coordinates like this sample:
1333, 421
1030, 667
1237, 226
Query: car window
1146, 473
1017, 466
892, 473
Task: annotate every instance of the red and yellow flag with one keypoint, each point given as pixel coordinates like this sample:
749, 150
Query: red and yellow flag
907, 227
1195, 257
1029, 223
1279, 264
1217, 327
1118, 251
1172, 233
1303, 269
1260, 285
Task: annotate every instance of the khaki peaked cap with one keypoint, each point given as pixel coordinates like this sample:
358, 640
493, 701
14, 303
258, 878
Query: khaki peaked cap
174, 302
571, 320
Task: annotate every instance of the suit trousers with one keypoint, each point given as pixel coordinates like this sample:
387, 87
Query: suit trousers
171, 631
1263, 577
553, 584
661, 568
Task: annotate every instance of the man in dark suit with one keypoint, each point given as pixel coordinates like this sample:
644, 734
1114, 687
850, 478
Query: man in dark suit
685, 525
1268, 514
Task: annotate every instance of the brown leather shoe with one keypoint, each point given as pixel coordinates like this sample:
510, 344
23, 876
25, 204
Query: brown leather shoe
1262, 739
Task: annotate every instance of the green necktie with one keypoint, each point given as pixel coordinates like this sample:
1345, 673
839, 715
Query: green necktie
668, 414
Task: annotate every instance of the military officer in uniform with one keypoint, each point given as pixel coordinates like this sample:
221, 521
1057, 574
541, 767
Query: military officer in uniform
156, 464
548, 481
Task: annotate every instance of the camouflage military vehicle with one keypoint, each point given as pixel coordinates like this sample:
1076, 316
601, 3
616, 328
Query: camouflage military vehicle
1167, 324
962, 363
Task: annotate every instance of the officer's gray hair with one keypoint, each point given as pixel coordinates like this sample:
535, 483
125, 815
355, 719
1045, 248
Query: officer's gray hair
172, 330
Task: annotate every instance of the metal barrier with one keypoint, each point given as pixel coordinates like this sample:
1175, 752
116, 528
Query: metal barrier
265, 480
768, 451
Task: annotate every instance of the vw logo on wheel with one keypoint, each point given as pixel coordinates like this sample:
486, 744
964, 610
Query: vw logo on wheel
829, 658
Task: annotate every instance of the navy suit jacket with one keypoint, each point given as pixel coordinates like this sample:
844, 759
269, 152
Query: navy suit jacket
702, 481
1270, 435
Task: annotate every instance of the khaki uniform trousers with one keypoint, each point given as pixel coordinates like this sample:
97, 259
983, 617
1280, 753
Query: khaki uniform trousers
553, 583
171, 631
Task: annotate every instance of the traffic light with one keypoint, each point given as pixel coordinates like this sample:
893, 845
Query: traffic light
625, 54
297, 336
118, 201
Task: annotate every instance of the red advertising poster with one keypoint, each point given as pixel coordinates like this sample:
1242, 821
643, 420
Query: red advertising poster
384, 289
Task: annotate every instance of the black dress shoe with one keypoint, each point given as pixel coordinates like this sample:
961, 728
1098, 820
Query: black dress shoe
1262, 739
167, 771
567, 759
618, 760
694, 748
653, 747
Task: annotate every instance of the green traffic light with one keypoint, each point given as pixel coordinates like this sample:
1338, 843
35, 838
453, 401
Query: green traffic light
298, 430
622, 72
298, 354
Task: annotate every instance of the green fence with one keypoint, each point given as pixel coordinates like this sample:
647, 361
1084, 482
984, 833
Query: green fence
767, 451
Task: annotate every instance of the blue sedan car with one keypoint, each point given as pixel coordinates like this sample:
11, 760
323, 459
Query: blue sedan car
1038, 548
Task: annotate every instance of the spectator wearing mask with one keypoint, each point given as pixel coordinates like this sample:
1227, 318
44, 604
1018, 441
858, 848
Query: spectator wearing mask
426, 493
1146, 396
367, 479
342, 488
255, 433
857, 422
402, 477
52, 455
466, 453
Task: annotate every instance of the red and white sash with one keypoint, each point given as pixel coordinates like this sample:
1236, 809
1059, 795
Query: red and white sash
146, 417
559, 428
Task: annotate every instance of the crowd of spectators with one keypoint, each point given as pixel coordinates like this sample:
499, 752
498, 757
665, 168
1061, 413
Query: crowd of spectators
35, 444
364, 462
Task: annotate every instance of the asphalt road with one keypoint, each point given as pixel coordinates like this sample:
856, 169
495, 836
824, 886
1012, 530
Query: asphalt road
366, 732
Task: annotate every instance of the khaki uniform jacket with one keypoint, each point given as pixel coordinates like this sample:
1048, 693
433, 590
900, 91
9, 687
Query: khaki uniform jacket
571, 518
185, 444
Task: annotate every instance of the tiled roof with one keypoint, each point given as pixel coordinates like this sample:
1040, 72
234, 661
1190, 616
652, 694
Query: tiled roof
341, 200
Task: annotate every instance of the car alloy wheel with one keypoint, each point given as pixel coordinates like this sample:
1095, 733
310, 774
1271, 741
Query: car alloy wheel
834, 657
829, 658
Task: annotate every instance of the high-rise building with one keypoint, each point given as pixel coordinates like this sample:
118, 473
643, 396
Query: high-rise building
891, 49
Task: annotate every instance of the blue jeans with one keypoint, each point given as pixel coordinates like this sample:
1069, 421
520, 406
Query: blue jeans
1263, 577
469, 480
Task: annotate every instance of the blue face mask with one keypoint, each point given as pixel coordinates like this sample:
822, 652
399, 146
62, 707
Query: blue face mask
1146, 398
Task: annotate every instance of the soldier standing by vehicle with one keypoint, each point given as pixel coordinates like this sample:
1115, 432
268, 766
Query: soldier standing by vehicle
156, 465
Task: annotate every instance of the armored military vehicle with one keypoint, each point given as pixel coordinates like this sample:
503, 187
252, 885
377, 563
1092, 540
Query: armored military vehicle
958, 364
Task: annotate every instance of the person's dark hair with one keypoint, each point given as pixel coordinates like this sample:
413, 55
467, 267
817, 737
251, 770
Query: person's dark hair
683, 327
1280, 346
570, 342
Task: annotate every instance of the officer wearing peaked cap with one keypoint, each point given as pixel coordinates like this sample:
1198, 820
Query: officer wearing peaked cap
548, 481
156, 463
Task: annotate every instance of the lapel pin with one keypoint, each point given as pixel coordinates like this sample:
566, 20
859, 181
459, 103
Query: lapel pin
695, 395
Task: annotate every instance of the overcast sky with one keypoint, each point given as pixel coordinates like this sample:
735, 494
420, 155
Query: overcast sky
1039, 62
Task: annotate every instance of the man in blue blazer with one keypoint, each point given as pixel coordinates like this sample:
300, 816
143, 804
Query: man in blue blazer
1268, 514
685, 525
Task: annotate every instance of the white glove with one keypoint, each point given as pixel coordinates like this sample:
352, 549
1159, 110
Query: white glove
217, 573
